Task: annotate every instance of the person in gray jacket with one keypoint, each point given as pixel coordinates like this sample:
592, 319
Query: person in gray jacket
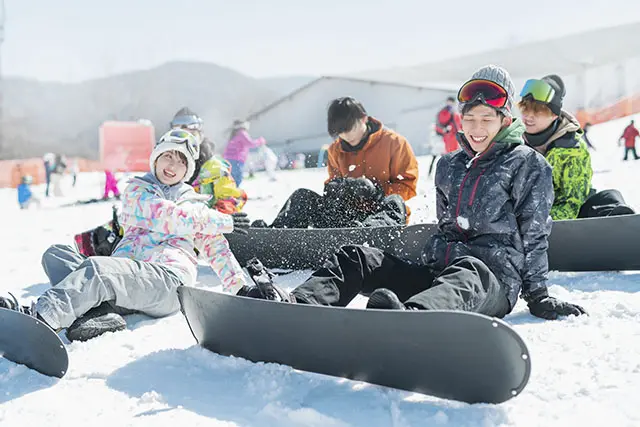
494, 197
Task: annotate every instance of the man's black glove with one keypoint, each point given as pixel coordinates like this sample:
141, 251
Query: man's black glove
363, 189
334, 188
241, 222
550, 308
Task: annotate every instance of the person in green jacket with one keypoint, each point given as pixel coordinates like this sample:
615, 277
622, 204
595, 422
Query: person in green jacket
556, 134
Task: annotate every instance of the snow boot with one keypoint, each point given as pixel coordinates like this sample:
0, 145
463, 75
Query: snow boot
384, 299
96, 322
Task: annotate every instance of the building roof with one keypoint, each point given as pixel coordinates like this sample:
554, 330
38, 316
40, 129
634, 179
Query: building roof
564, 55
443, 87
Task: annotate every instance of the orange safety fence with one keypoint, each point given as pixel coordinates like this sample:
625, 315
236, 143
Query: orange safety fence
622, 108
12, 171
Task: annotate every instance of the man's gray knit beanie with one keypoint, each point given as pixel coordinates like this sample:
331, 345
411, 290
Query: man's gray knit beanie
501, 77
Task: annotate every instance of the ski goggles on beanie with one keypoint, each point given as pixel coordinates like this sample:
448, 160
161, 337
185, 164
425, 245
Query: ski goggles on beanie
187, 122
179, 136
488, 92
539, 90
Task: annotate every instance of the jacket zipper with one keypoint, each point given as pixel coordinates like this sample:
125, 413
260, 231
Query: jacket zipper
475, 188
470, 164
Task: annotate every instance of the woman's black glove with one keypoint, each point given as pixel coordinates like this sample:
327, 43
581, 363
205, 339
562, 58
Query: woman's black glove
241, 223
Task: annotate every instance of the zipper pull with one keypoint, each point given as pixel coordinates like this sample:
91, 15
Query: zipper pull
470, 162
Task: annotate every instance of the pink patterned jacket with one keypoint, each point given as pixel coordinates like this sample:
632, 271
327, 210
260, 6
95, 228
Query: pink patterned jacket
164, 224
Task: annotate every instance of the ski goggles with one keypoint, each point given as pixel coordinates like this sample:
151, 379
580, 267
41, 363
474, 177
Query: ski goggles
179, 136
485, 91
539, 90
187, 122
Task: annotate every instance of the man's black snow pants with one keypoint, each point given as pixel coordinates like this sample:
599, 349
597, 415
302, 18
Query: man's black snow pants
306, 208
631, 150
466, 284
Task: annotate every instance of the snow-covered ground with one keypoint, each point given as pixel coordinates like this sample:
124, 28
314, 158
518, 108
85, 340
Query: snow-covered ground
586, 370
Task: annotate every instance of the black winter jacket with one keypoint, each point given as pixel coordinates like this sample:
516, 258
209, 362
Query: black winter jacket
495, 206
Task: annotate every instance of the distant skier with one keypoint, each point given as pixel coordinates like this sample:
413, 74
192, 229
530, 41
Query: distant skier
629, 136
237, 149
58, 169
48, 161
448, 124
270, 161
26, 198
262, 157
75, 170
110, 185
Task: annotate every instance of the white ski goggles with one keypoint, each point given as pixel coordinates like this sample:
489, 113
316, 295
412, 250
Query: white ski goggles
179, 136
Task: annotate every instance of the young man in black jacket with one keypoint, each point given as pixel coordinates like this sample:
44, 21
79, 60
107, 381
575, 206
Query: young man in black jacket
494, 197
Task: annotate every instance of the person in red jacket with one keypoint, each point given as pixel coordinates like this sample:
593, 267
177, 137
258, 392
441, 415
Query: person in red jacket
629, 135
448, 124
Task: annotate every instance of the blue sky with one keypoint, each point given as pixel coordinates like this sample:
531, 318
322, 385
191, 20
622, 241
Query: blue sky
73, 40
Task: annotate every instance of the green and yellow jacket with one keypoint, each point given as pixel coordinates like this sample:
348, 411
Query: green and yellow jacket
566, 152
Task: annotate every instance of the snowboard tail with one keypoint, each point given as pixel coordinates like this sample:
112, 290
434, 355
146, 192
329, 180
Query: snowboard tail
453, 355
27, 341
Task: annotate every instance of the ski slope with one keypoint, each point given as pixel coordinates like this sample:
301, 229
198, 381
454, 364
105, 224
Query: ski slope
586, 371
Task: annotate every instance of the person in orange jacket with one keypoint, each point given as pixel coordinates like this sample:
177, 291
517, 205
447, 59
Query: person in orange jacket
372, 172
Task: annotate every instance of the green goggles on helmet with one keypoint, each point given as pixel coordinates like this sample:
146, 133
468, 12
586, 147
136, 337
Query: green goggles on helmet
539, 90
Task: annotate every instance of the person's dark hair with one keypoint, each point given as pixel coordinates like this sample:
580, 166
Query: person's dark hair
451, 99
342, 115
207, 148
470, 105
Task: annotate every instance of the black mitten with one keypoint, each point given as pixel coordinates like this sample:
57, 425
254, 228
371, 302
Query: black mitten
363, 189
551, 308
334, 189
241, 222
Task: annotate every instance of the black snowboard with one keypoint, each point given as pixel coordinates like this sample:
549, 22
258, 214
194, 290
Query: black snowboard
452, 355
590, 244
28, 341
297, 248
